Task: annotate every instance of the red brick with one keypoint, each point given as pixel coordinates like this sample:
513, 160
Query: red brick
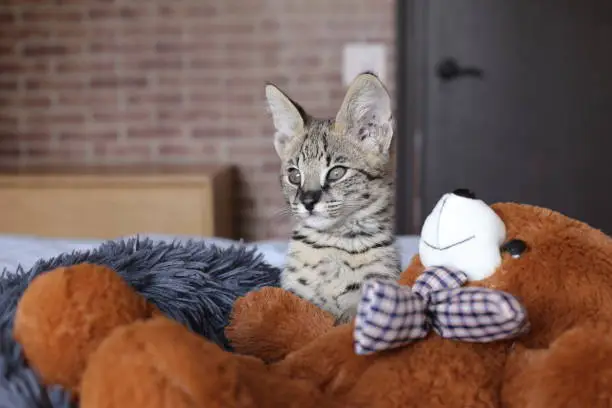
8, 135
97, 135
51, 14
124, 12
234, 62
218, 27
120, 116
239, 153
304, 61
120, 47
191, 11
71, 32
172, 98
167, 47
252, 114
8, 119
7, 49
18, 65
215, 132
269, 26
48, 50
242, 98
22, 2
7, 17
80, 2
190, 81
160, 30
205, 97
118, 82
9, 150
80, 31
34, 135
54, 84
153, 132
85, 66
66, 151
122, 150
55, 118
187, 149
8, 85
41, 101
188, 115
244, 82
155, 63
15, 32
70, 99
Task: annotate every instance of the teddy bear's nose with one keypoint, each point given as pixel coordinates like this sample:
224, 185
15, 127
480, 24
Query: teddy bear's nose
465, 193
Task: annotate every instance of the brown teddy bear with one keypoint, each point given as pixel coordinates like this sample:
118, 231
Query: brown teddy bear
290, 354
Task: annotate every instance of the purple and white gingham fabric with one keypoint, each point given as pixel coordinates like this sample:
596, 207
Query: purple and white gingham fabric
390, 315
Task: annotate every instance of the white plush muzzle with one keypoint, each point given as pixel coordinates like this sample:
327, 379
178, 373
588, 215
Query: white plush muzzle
465, 234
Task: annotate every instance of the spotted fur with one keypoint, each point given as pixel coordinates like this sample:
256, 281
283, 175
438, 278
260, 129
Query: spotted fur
343, 232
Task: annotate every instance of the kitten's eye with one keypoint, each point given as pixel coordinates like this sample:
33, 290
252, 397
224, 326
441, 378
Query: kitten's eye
514, 247
294, 176
336, 173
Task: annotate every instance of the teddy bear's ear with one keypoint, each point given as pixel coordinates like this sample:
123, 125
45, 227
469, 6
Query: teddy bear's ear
412, 272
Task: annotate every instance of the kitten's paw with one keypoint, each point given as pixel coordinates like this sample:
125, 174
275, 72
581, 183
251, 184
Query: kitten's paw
347, 316
271, 322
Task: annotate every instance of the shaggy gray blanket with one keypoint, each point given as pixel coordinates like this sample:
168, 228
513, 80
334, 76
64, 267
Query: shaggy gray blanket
192, 282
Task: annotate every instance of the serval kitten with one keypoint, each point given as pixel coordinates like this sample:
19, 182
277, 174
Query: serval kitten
336, 179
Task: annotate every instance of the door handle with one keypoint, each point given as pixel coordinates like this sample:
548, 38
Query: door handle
449, 69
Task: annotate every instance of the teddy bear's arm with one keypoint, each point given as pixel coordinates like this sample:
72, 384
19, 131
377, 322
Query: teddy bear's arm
576, 370
272, 322
329, 361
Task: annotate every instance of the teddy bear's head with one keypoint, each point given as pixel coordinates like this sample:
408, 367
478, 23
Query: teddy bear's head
559, 268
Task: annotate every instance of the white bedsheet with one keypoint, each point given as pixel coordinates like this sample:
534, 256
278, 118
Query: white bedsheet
26, 250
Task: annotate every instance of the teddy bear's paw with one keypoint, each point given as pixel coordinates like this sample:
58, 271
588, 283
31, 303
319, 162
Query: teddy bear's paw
160, 363
576, 370
73, 308
271, 322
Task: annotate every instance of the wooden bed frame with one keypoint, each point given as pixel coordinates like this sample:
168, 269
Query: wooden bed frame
108, 202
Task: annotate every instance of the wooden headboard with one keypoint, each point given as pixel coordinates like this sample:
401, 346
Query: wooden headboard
108, 202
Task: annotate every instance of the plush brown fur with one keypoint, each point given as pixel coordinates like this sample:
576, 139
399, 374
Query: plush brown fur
565, 282
564, 279
64, 307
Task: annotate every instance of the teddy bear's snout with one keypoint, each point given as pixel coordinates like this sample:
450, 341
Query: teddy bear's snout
463, 232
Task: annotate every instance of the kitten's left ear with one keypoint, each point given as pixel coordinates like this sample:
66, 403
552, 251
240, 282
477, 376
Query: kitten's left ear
365, 113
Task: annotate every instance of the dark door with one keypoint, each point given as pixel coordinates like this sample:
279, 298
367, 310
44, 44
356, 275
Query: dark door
516, 103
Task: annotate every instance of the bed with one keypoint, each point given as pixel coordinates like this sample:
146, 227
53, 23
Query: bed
26, 250
47, 211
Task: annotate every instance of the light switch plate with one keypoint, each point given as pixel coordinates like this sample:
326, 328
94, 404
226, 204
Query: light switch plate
361, 57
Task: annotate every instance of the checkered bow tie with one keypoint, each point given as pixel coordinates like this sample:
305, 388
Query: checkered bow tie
390, 315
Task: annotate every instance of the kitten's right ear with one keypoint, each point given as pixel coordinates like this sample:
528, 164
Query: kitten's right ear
287, 115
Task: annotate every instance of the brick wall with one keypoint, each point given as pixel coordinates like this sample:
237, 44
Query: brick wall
103, 81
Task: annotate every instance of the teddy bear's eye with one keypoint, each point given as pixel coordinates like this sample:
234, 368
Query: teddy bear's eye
514, 247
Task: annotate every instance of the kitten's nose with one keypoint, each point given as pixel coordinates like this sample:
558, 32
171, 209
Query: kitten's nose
310, 198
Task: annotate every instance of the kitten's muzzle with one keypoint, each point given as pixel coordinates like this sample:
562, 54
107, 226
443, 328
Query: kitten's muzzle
310, 198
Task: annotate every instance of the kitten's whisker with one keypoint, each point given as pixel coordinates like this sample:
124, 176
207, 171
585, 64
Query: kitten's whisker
280, 214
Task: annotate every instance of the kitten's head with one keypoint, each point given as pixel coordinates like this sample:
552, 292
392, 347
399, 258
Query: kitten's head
334, 168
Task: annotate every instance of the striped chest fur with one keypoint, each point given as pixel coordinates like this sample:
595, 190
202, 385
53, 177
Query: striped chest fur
335, 177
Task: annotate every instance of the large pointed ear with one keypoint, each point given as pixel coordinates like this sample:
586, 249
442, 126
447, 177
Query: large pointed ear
288, 118
365, 113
